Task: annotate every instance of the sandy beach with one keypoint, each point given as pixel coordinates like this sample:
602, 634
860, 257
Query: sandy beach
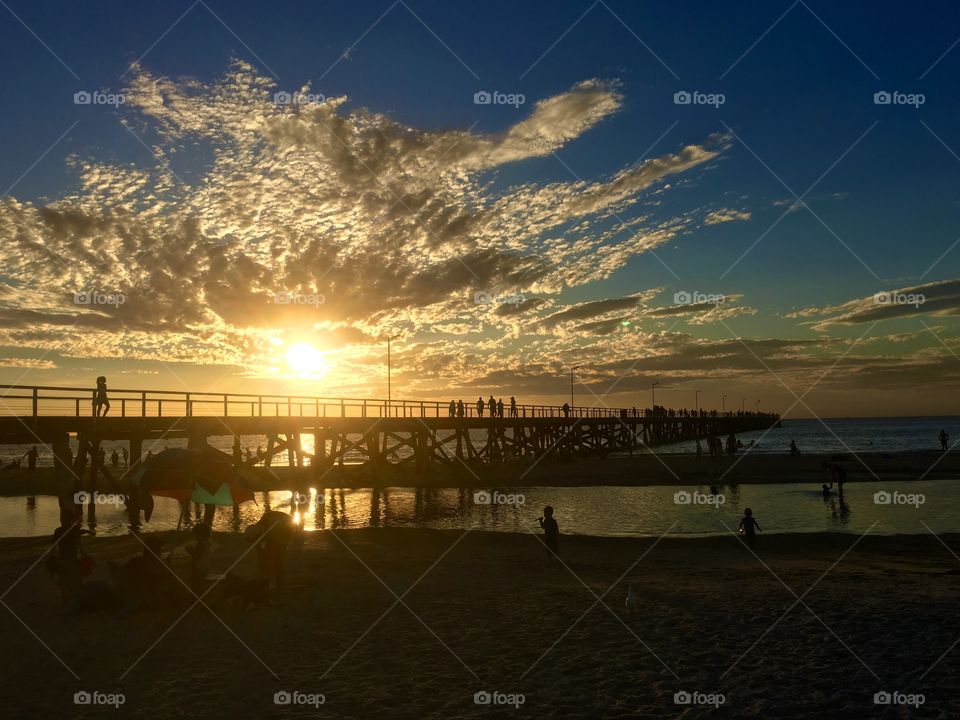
660, 469
490, 612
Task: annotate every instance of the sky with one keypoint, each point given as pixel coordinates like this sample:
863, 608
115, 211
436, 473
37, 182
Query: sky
757, 201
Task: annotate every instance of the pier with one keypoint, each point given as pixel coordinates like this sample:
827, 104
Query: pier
374, 433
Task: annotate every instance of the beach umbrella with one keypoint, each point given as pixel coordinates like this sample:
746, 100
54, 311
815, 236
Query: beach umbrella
205, 476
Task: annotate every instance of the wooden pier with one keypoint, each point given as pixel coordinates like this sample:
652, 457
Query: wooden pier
375, 433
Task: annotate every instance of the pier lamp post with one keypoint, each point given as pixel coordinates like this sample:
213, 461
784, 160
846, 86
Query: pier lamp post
572, 371
653, 395
723, 404
389, 388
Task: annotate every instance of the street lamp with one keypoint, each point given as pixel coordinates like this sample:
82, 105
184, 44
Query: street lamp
653, 395
389, 388
572, 371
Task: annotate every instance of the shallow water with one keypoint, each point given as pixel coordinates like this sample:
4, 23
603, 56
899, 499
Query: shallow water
607, 511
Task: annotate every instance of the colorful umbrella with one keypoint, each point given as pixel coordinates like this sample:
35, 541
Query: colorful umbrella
206, 476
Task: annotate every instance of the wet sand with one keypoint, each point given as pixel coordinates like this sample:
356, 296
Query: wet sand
660, 469
478, 613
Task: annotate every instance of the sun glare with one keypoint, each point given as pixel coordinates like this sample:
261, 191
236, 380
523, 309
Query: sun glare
304, 360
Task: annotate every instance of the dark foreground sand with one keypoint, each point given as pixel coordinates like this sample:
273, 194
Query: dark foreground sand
659, 469
478, 612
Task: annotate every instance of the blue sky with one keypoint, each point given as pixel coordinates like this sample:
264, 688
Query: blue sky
798, 82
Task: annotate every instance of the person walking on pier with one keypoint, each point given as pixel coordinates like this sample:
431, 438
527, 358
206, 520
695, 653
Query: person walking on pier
944, 439
500, 407
566, 410
492, 404
551, 532
480, 406
453, 408
460, 409
513, 406
100, 401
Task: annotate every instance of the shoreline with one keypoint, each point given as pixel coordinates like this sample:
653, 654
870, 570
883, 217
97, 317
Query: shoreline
665, 469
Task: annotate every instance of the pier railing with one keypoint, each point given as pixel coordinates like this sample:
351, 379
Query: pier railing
51, 401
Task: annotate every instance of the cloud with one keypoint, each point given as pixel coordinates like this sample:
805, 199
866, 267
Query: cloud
726, 215
941, 298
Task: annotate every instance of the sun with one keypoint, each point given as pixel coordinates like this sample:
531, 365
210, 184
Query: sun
304, 360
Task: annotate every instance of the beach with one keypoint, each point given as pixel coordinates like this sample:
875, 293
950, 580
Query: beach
490, 612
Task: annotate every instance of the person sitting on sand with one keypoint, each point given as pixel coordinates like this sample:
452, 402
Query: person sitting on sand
749, 527
551, 531
271, 533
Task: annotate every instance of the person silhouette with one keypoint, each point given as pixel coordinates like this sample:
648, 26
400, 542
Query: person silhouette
492, 404
944, 439
100, 401
551, 531
480, 406
460, 408
749, 527
513, 406
453, 408
566, 410
500, 407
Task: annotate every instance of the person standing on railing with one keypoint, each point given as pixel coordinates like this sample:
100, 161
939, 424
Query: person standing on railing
100, 400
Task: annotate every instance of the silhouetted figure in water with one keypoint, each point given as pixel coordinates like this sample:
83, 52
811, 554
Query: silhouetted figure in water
732, 445
114, 459
825, 490
453, 408
100, 401
513, 406
699, 450
480, 406
126, 456
32, 456
794, 450
551, 531
749, 527
944, 439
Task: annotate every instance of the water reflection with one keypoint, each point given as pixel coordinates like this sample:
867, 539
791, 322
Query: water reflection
612, 511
